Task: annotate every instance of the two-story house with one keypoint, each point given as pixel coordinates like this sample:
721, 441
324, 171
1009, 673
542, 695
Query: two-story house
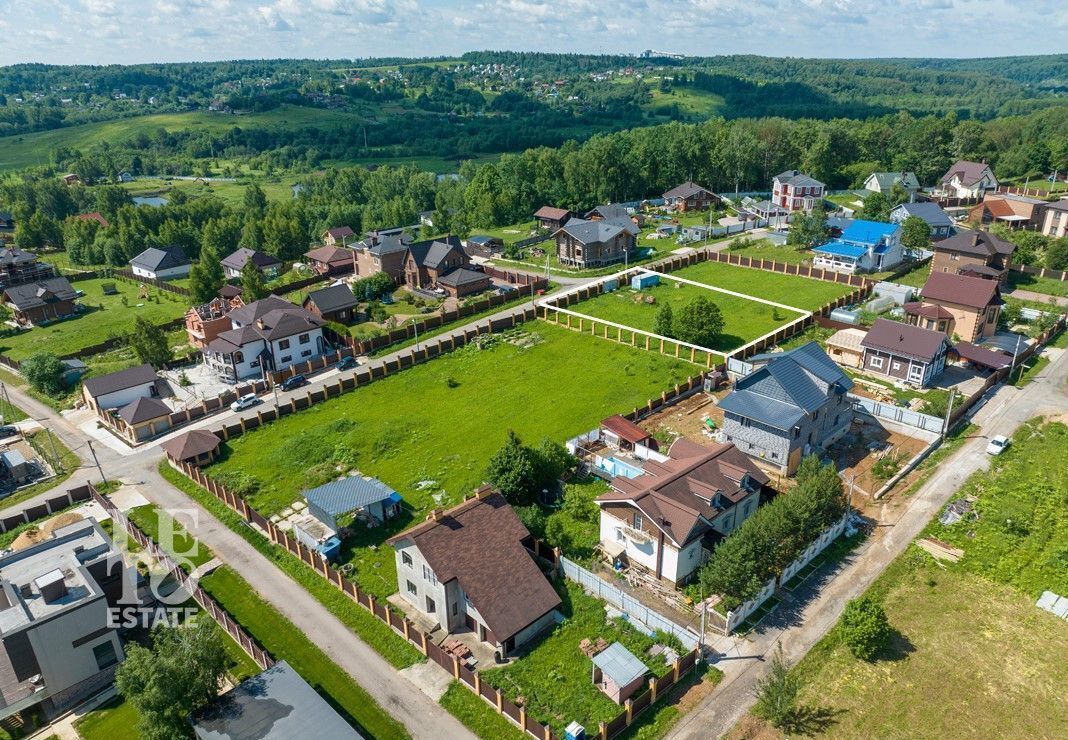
234, 263
977, 253
595, 243
466, 569
958, 305
268, 335
793, 190
205, 322
18, 266
927, 211
667, 519
123, 387
338, 236
864, 246
442, 263
789, 405
1054, 221
552, 218
331, 260
689, 196
382, 253
883, 182
41, 301
966, 179
904, 352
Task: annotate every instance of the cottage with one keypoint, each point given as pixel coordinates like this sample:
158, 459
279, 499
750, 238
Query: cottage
197, 447
42, 301
964, 306
161, 264
977, 253
966, 179
338, 235
1014, 211
336, 303
143, 418
689, 196
883, 182
268, 335
119, 389
466, 569
865, 246
793, 190
353, 498
484, 244
667, 518
609, 212
552, 218
428, 261
904, 352
929, 212
463, 282
618, 672
235, 262
205, 322
844, 347
331, 260
382, 253
1054, 221
790, 405
595, 243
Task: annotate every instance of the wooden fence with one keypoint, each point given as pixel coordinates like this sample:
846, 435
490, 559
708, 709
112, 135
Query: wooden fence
128, 275
261, 657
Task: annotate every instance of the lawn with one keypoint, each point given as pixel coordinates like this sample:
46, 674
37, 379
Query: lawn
112, 720
1038, 284
554, 677
477, 715
574, 527
763, 249
804, 293
68, 462
914, 278
105, 317
231, 193
689, 102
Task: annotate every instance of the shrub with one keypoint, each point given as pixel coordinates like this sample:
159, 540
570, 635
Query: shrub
777, 692
865, 628
44, 371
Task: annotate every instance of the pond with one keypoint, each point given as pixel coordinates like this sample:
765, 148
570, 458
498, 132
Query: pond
154, 200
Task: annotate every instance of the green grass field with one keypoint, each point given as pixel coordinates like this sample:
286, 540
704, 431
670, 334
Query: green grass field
807, 294
690, 102
477, 715
1038, 284
106, 317
763, 249
232, 193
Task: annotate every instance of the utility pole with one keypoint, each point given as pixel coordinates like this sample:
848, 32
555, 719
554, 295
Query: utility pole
1015, 353
55, 455
949, 412
99, 469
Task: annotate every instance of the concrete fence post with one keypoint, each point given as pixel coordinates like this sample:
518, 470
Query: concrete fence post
500, 702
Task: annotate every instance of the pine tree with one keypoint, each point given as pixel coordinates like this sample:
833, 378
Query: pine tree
149, 343
253, 286
665, 321
207, 276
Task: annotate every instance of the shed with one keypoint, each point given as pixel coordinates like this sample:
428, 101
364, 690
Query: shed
369, 498
644, 280
625, 434
15, 466
844, 347
618, 672
312, 533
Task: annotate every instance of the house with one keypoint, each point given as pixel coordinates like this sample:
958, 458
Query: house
609, 212
552, 218
73, 370
769, 211
336, 303
930, 212
235, 262
267, 335
618, 672
595, 243
964, 306
330, 260
864, 246
353, 498
7, 221
1015, 211
689, 196
883, 182
119, 389
463, 282
428, 261
93, 216
337, 235
204, 323
484, 244
143, 418
59, 646
1054, 221
15, 468
466, 569
71, 179
844, 347
161, 264
789, 405
18, 267
276, 704
966, 179
793, 190
197, 447
124, 177
903, 352
665, 519
42, 301
382, 253
978, 253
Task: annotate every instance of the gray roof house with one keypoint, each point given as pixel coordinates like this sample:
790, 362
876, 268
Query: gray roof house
595, 243
235, 262
790, 405
930, 212
883, 182
160, 264
369, 498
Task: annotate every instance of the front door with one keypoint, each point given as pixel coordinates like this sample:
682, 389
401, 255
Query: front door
915, 373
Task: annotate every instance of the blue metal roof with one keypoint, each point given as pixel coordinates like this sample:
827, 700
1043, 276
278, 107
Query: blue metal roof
868, 232
841, 249
348, 494
619, 664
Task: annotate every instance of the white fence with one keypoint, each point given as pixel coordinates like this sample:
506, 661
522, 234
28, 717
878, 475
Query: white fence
829, 535
897, 414
626, 603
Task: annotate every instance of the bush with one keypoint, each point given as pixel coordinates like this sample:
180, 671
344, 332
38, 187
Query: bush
44, 372
777, 692
865, 628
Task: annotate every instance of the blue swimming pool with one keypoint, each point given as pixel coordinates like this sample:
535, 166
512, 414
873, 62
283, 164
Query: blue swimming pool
615, 467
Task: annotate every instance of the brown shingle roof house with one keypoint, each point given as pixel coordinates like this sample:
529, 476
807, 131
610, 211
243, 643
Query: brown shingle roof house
195, 446
904, 352
973, 252
552, 218
475, 550
963, 305
329, 260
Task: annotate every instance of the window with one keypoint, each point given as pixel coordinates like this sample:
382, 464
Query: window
105, 655
876, 363
406, 559
287, 358
638, 521
431, 607
896, 366
775, 456
239, 357
306, 353
428, 575
619, 534
284, 344
412, 589
815, 415
797, 432
303, 338
455, 608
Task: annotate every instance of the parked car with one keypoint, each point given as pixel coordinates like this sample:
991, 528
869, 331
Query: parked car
997, 444
295, 382
246, 401
347, 363
8, 431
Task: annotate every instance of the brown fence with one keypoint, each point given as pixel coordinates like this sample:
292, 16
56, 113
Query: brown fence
50, 506
515, 277
125, 274
303, 283
1040, 271
679, 261
950, 202
208, 604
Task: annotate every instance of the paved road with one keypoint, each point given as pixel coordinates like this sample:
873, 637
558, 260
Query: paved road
814, 609
1030, 295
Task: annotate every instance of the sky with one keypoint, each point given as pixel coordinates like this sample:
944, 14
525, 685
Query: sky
135, 31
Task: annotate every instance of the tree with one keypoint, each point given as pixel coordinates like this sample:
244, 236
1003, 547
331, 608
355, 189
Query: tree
207, 276
777, 692
915, 234
698, 322
807, 230
553, 460
44, 371
513, 470
865, 628
877, 207
179, 675
253, 286
373, 287
1057, 254
149, 343
255, 199
664, 325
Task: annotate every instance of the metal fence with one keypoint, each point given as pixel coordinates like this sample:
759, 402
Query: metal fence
627, 603
908, 417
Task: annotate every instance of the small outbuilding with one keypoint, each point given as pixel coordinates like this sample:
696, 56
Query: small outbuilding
144, 418
844, 347
198, 446
335, 303
368, 499
618, 672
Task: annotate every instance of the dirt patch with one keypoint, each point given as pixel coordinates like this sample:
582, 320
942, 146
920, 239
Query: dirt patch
686, 419
869, 455
753, 728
